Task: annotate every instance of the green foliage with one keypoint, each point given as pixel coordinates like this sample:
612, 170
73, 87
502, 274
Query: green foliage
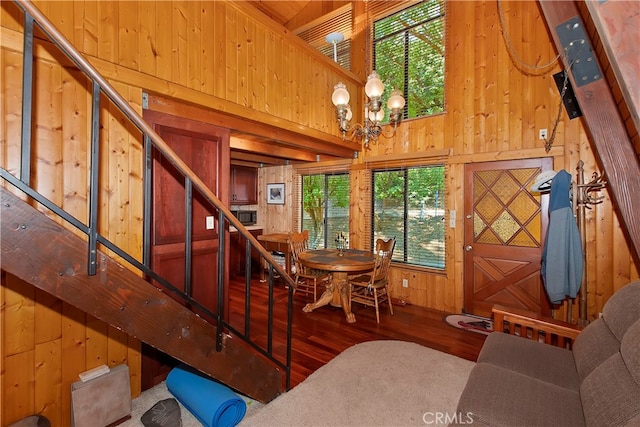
409, 55
313, 202
320, 192
408, 205
423, 184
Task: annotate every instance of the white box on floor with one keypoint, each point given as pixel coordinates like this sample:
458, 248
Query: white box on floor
103, 400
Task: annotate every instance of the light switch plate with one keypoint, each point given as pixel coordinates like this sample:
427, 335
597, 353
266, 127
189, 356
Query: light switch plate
210, 223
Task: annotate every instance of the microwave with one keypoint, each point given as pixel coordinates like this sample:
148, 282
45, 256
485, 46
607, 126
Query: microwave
246, 217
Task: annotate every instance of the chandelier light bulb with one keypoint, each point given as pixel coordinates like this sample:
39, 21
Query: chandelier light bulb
396, 100
376, 116
340, 95
374, 86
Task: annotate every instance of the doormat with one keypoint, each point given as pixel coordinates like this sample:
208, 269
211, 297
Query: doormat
478, 324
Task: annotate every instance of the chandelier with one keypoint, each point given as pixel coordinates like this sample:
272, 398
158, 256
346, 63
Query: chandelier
371, 129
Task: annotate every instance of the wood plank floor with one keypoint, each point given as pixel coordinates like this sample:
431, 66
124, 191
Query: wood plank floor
321, 335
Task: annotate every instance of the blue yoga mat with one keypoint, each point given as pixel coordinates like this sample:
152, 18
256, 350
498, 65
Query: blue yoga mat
212, 403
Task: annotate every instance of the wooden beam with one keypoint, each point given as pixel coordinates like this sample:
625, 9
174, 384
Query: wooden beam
618, 27
297, 136
254, 160
602, 119
270, 148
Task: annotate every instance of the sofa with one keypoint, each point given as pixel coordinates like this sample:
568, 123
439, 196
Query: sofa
526, 382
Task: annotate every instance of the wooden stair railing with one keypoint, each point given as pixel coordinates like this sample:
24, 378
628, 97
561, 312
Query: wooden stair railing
38, 250
221, 333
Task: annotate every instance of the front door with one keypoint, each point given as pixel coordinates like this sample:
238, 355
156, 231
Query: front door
504, 229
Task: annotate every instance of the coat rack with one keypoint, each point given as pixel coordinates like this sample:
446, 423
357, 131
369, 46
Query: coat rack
583, 198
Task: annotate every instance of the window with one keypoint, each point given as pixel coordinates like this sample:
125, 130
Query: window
325, 208
408, 204
340, 21
409, 55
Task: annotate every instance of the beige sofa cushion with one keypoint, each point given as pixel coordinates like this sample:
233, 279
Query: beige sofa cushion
595, 344
498, 397
622, 309
545, 362
610, 396
630, 351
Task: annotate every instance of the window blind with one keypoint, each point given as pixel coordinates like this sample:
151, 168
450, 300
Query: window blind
323, 211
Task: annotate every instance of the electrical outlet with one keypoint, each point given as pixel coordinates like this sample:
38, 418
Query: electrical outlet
542, 134
405, 283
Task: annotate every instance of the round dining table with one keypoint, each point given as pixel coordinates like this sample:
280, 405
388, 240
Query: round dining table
341, 264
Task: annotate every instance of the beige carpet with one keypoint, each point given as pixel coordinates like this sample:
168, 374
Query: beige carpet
377, 383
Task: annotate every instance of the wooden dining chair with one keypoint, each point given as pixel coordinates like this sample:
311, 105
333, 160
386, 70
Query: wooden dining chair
307, 279
372, 289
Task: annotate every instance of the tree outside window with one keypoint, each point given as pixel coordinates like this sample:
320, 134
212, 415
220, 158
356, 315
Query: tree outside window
408, 204
409, 56
325, 208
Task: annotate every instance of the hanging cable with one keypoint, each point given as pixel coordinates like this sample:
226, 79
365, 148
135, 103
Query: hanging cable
519, 62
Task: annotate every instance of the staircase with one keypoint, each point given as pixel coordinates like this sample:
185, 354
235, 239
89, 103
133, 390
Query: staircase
70, 260
38, 250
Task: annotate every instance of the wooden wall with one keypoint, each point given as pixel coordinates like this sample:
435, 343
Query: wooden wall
494, 108
221, 56
212, 54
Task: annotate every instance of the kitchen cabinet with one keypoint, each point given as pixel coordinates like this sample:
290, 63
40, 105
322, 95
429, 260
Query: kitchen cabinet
244, 185
237, 257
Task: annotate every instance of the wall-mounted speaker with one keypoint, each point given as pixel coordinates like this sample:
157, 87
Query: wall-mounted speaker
569, 99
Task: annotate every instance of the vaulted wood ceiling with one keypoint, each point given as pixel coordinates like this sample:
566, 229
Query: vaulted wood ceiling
296, 14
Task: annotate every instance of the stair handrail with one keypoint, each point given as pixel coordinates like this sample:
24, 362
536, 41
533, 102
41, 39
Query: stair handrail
83, 64
67, 48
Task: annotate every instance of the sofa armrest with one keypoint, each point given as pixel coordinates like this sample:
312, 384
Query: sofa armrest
533, 326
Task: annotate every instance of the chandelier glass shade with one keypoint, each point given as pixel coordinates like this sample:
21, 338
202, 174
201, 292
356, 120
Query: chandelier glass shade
370, 130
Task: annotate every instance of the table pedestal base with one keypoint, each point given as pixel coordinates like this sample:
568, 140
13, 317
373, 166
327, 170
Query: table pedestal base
337, 291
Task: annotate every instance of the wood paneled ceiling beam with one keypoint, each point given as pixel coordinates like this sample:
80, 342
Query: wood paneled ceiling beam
255, 159
601, 115
617, 25
290, 134
274, 149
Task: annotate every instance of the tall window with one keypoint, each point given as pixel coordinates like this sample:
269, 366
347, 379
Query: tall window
409, 55
325, 208
408, 204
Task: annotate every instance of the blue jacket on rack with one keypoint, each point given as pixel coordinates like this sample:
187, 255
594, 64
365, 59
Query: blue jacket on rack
562, 257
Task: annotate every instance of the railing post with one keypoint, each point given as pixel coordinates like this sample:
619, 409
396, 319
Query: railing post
270, 314
146, 223
221, 253
94, 190
188, 237
289, 336
27, 99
